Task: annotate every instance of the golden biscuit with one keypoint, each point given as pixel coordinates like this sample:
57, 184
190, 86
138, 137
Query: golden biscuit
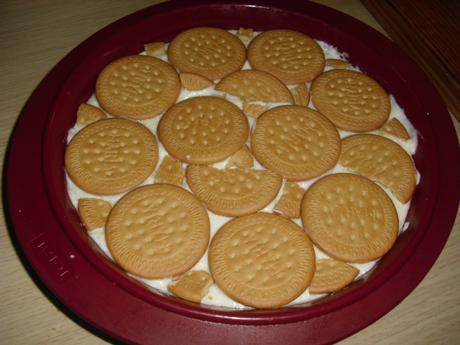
111, 156
253, 109
349, 217
93, 212
351, 100
87, 114
210, 52
396, 128
193, 82
289, 204
262, 260
170, 171
296, 142
331, 275
156, 49
192, 286
289, 55
241, 158
337, 63
137, 86
251, 85
203, 130
381, 160
301, 95
233, 192
157, 231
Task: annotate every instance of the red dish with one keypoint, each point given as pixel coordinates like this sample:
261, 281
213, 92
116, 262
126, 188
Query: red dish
56, 245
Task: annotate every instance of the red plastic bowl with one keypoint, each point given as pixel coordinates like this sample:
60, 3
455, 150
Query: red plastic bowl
56, 244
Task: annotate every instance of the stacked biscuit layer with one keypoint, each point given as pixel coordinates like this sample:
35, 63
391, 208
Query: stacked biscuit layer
231, 143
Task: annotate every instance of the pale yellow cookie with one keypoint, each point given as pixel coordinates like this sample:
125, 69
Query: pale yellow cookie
111, 156
170, 171
157, 231
192, 286
351, 100
245, 35
296, 142
93, 212
87, 114
251, 85
300, 95
289, 204
396, 128
137, 86
289, 55
210, 52
156, 49
338, 63
241, 159
233, 192
193, 82
331, 275
349, 217
253, 109
262, 260
381, 160
203, 130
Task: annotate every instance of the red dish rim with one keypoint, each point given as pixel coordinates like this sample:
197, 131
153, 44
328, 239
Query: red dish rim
50, 235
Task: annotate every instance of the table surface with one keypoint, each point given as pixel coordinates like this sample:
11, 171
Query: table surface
34, 36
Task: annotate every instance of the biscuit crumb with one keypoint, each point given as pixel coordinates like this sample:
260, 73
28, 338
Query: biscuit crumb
301, 95
241, 158
87, 114
93, 212
156, 49
253, 109
192, 286
170, 171
289, 204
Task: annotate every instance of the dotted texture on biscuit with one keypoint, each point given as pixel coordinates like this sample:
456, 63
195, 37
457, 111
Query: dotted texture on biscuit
157, 231
289, 55
210, 52
349, 217
137, 86
351, 100
203, 130
111, 156
296, 142
262, 260
381, 160
331, 275
233, 192
251, 85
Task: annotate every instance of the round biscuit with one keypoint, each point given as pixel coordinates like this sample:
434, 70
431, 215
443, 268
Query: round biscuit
210, 52
111, 156
351, 100
289, 55
137, 86
262, 260
233, 192
349, 217
382, 160
252, 85
296, 142
157, 231
203, 130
